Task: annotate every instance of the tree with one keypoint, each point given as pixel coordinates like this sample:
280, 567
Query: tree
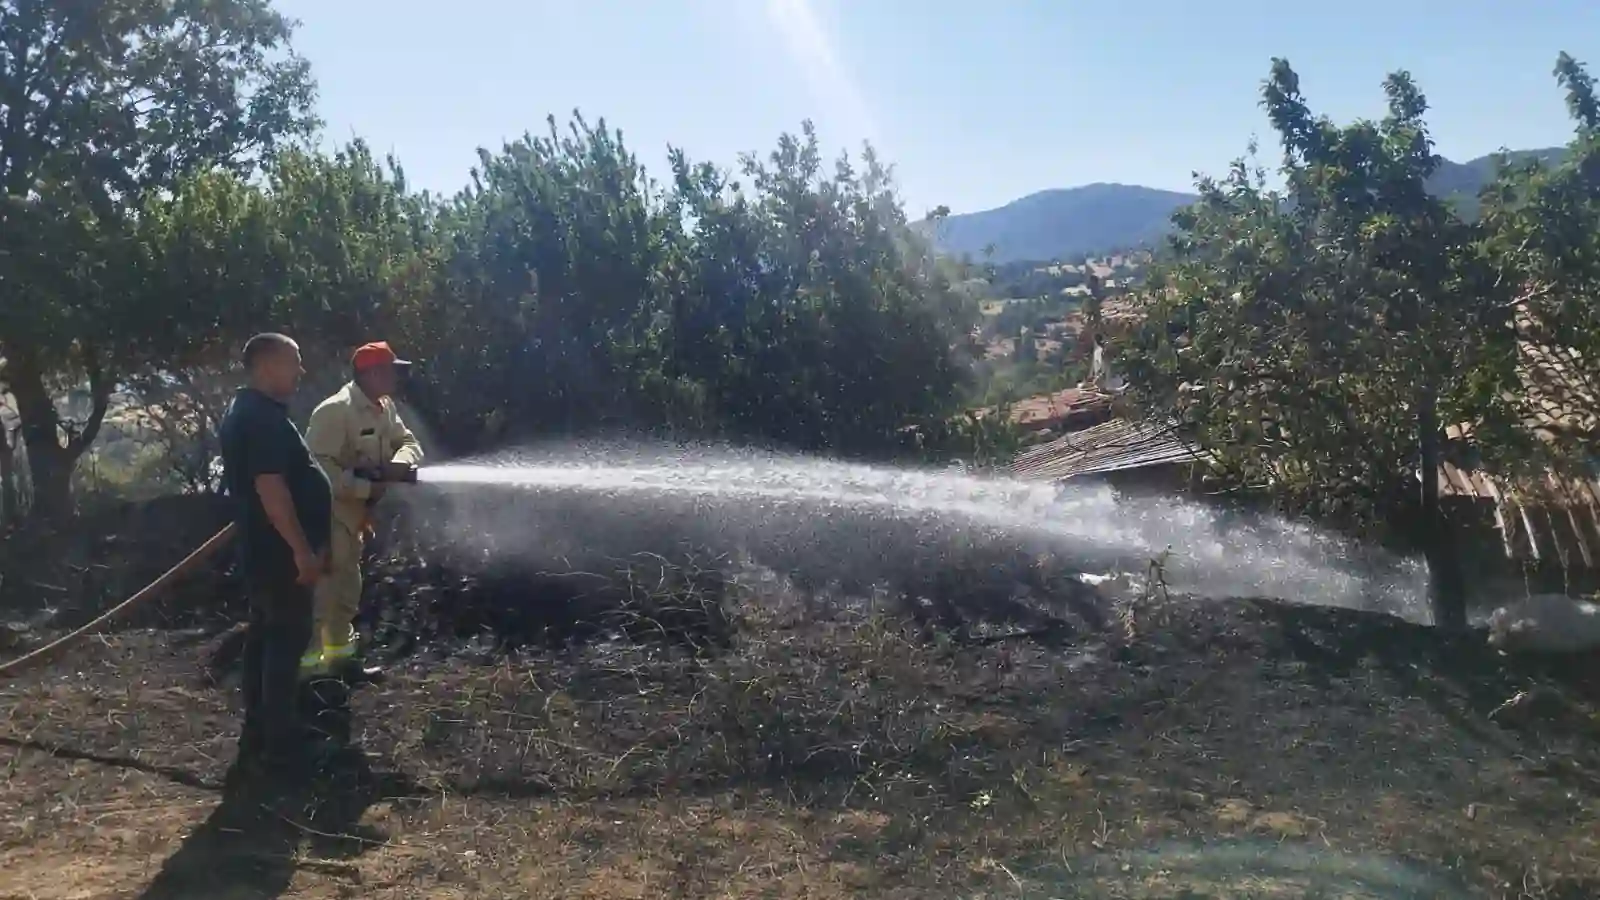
105, 105
551, 270
1094, 302
563, 292
813, 314
1027, 348
331, 248
1318, 339
354, 256
10, 504
791, 305
1545, 223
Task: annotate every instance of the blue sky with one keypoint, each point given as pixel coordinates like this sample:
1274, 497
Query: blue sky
976, 104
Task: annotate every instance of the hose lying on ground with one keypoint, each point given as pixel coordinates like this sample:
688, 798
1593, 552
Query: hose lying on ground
200, 555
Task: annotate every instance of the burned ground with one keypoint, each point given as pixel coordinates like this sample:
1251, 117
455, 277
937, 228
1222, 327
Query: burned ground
694, 726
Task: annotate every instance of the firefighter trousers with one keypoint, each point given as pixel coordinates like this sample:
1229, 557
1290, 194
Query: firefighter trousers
336, 603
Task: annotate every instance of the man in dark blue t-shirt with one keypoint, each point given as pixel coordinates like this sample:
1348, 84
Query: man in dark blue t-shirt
283, 508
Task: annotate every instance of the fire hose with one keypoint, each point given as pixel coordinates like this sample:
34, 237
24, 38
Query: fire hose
189, 563
397, 473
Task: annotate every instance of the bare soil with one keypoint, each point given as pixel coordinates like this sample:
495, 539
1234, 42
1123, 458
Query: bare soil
1199, 749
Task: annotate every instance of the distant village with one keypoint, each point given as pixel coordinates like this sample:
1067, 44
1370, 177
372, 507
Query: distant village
1034, 333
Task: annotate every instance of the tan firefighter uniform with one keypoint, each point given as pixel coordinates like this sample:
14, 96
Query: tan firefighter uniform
349, 432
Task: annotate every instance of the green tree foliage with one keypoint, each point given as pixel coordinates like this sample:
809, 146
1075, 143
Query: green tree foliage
564, 292
835, 324
1034, 280
1319, 339
1545, 222
105, 105
329, 247
791, 306
553, 265
1035, 314
972, 439
1027, 347
352, 247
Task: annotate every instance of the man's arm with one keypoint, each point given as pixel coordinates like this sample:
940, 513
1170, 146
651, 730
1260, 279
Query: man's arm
266, 461
325, 436
279, 506
409, 449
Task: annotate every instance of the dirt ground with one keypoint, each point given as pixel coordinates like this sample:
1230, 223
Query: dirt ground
1214, 750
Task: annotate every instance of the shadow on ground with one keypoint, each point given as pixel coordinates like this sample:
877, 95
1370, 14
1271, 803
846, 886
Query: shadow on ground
260, 836
1551, 698
171, 773
1253, 868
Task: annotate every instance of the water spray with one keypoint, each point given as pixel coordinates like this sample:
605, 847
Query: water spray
836, 521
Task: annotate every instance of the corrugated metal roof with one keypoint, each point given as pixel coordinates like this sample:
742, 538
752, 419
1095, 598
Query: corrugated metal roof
1544, 518
1547, 519
1541, 517
1112, 446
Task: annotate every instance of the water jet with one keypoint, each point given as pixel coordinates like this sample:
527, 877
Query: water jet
826, 521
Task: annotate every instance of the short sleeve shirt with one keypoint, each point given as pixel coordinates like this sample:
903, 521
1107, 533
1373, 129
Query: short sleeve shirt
258, 438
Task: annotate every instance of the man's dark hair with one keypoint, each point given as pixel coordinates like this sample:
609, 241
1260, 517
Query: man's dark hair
263, 345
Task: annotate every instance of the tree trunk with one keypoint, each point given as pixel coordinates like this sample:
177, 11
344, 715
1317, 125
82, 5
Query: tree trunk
50, 461
8, 478
1446, 585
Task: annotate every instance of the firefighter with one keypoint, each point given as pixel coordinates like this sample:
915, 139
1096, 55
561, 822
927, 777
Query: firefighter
363, 446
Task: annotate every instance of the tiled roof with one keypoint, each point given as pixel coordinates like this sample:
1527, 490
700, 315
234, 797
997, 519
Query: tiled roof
1561, 395
1108, 447
1051, 410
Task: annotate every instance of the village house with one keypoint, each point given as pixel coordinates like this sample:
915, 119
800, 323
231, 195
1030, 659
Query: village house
1545, 526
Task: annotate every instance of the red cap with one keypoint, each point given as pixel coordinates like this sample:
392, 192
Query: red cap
374, 354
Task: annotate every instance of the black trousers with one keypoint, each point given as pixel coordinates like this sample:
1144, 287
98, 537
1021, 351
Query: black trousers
278, 634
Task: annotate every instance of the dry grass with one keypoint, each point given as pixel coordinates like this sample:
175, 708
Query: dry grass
1229, 749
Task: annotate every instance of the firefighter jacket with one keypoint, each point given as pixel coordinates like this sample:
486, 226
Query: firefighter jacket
350, 433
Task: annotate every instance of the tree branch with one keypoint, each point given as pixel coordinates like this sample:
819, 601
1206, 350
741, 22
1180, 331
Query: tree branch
100, 395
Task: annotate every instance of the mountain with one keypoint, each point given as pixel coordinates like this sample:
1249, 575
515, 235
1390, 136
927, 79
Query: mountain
1073, 222
1068, 222
1461, 182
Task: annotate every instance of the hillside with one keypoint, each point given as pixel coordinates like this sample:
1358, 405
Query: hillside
1064, 223
1461, 182
1240, 749
1068, 223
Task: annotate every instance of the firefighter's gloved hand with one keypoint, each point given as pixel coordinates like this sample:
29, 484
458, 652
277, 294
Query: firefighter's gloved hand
402, 472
